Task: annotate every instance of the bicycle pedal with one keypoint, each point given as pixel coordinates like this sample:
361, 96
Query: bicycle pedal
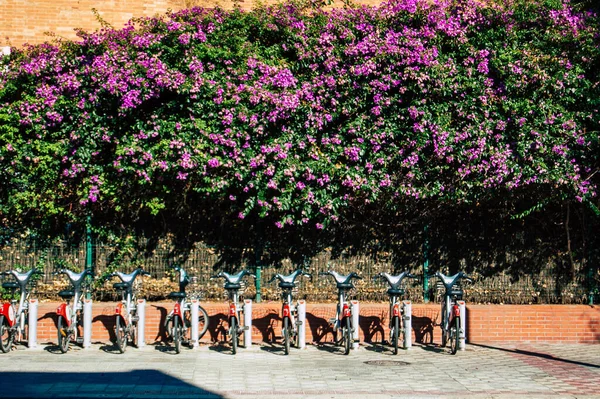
135, 319
299, 322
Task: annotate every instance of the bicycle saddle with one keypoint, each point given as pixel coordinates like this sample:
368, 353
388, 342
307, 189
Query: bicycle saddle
66, 294
177, 295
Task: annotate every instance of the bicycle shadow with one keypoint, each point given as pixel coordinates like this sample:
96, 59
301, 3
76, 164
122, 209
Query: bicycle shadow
161, 335
266, 326
217, 327
372, 326
319, 325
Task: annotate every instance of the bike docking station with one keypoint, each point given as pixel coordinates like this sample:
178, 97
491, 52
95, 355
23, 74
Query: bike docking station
355, 332
141, 322
462, 337
87, 324
247, 323
407, 320
32, 324
195, 312
301, 308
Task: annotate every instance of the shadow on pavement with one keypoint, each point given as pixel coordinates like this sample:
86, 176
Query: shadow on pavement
536, 354
132, 384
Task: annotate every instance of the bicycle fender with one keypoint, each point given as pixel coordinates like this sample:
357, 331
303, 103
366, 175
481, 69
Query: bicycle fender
62, 311
177, 310
455, 310
286, 310
119, 312
346, 310
232, 309
396, 311
9, 313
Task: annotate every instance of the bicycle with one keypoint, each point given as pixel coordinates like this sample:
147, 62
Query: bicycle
14, 320
289, 311
70, 315
126, 319
450, 325
343, 315
233, 286
179, 321
397, 316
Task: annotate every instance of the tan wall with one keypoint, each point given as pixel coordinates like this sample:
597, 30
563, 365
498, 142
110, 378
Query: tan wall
27, 21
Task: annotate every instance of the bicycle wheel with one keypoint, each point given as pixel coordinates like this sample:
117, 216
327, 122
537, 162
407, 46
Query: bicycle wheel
121, 333
347, 336
203, 321
395, 326
444, 327
176, 334
234, 334
455, 335
63, 335
6, 338
286, 335
169, 328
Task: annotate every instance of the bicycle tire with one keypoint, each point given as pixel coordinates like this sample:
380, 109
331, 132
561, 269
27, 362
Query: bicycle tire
169, 328
234, 334
395, 326
444, 326
121, 334
63, 335
455, 335
203, 321
347, 337
6, 338
176, 334
286, 335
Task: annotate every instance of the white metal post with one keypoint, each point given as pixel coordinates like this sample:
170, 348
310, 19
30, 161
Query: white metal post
194, 311
87, 323
355, 311
463, 324
32, 324
407, 320
247, 323
141, 313
301, 324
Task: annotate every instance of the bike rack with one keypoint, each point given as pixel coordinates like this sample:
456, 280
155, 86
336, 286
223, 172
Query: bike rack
141, 313
87, 323
33, 317
194, 309
407, 320
355, 336
301, 324
247, 323
463, 323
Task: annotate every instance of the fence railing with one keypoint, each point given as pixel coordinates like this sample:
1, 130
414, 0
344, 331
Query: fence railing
201, 262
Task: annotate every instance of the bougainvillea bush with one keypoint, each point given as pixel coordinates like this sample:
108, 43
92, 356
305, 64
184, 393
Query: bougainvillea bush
297, 117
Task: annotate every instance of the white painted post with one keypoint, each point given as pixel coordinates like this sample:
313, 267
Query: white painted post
87, 323
247, 323
301, 324
195, 314
141, 313
355, 312
407, 320
32, 326
463, 324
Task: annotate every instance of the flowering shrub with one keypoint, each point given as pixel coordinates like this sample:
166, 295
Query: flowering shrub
295, 115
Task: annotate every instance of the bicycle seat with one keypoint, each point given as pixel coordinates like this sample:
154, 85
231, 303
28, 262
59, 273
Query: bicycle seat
177, 295
120, 286
66, 294
286, 285
345, 286
231, 286
395, 292
10, 285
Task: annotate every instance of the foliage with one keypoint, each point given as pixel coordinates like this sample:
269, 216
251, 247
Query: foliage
296, 127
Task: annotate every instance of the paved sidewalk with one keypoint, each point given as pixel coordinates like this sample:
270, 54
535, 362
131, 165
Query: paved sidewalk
567, 371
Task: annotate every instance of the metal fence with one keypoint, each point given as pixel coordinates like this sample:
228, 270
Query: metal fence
202, 263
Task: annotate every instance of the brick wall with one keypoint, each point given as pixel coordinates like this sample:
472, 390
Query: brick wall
27, 21
485, 324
